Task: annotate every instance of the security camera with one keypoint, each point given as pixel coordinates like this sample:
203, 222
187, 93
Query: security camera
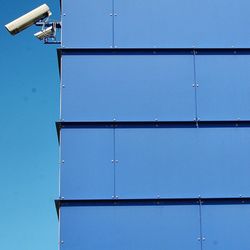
44, 33
28, 19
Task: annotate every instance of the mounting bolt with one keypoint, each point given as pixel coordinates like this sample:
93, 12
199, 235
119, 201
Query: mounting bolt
64, 14
116, 161
111, 14
112, 161
116, 197
63, 161
63, 86
62, 241
115, 14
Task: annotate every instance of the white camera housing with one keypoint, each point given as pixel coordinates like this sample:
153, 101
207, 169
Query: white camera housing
44, 33
28, 19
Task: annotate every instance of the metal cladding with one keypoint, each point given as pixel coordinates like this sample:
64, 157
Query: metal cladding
155, 125
146, 24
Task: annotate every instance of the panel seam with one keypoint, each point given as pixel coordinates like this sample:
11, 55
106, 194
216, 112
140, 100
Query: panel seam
113, 23
195, 85
201, 238
114, 163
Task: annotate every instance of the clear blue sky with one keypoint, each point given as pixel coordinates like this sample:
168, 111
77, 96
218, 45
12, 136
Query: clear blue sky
29, 106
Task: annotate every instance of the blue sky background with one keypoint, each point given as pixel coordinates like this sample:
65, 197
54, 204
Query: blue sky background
29, 107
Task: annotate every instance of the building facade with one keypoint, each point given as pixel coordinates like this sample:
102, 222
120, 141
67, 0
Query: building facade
154, 128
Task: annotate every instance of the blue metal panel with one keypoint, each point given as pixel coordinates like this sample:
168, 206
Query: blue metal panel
87, 23
182, 162
224, 89
173, 24
226, 227
128, 87
130, 227
87, 171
